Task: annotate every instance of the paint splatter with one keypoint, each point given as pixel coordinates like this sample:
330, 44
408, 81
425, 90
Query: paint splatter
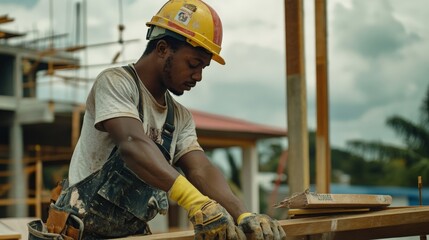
76, 203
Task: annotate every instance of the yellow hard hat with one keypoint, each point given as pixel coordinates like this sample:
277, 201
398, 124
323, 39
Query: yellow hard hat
192, 19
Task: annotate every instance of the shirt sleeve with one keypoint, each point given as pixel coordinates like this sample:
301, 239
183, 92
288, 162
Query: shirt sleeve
187, 140
116, 95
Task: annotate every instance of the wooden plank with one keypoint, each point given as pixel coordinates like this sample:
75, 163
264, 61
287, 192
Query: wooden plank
5, 19
7, 233
325, 200
18, 225
382, 222
390, 222
293, 213
181, 235
222, 142
27, 201
405, 230
7, 34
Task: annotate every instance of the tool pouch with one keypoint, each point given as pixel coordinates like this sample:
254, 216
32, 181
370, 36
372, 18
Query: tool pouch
59, 226
113, 201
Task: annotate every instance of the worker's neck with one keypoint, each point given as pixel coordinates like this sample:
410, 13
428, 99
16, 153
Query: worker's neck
148, 73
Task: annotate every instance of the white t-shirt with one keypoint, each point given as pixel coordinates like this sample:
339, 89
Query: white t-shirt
115, 94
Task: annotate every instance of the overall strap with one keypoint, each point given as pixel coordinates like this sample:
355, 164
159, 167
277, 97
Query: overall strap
133, 73
168, 127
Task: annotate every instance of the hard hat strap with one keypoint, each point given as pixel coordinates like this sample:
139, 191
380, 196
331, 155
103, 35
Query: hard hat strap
155, 32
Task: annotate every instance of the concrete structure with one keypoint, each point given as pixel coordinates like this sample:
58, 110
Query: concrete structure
21, 111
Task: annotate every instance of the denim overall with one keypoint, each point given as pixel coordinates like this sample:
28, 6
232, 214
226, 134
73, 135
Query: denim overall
113, 201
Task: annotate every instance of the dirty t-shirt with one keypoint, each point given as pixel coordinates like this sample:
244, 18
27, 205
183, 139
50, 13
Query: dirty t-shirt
115, 94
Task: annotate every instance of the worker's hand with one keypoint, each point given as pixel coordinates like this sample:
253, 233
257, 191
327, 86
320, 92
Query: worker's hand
260, 226
212, 221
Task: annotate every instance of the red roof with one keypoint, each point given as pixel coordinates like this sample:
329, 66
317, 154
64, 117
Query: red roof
209, 122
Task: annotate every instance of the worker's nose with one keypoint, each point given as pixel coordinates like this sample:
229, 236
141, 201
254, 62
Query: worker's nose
197, 76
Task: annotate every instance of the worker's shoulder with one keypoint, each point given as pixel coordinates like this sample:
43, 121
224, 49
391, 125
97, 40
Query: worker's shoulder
113, 71
182, 112
176, 104
116, 75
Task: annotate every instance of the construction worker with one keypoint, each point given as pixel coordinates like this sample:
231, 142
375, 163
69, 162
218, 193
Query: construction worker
135, 136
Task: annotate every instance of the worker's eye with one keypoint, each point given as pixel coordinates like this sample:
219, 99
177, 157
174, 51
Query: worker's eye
194, 64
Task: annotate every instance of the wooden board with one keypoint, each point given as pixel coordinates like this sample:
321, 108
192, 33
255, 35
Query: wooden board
386, 223
7, 233
180, 235
390, 222
327, 200
320, 211
16, 225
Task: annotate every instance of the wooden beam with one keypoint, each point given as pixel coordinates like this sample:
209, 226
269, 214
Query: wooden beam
27, 201
76, 120
179, 235
388, 219
395, 222
5, 19
225, 142
7, 233
39, 183
8, 34
323, 149
298, 168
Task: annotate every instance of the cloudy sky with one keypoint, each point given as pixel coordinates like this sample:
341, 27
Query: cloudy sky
378, 57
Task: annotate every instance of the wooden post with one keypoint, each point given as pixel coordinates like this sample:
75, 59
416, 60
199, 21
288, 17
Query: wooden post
323, 150
39, 182
298, 168
76, 119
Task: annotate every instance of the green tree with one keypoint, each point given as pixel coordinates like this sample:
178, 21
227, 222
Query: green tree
269, 152
361, 172
401, 164
235, 170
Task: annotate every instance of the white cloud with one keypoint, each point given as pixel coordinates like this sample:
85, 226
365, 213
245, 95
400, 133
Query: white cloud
384, 76
377, 57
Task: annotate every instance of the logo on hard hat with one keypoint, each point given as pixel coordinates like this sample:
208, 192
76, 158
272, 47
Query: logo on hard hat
185, 13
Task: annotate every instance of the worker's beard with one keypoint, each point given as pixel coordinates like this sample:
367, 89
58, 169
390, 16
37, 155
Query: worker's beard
168, 79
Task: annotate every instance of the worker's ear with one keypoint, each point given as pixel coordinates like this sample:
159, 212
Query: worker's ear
162, 48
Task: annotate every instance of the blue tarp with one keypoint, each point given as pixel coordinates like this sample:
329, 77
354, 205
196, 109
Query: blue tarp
411, 193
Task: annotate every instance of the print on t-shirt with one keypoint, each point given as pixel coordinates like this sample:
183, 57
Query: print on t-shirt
155, 135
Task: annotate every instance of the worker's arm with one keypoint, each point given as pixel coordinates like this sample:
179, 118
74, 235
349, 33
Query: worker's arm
210, 181
143, 157
140, 153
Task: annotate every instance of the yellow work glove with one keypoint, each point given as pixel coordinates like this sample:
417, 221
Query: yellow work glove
210, 219
260, 227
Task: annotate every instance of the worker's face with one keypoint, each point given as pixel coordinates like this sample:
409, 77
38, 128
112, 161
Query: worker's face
183, 68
